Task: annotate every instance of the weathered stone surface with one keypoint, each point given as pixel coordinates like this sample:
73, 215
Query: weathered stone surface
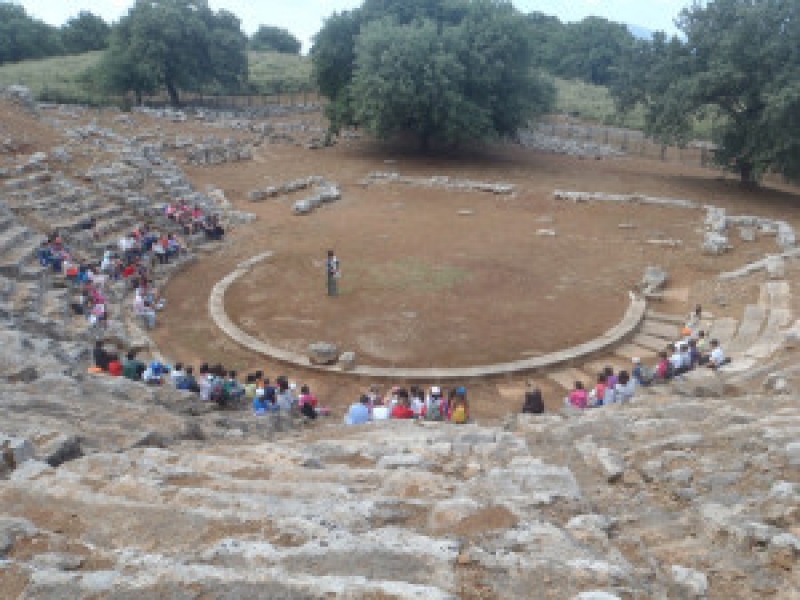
715, 244
15, 451
776, 267
348, 361
323, 353
61, 449
689, 583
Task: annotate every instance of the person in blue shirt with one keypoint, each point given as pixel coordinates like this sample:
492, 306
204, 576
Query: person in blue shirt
359, 412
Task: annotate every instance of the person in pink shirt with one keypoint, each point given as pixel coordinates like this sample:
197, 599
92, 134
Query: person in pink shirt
579, 397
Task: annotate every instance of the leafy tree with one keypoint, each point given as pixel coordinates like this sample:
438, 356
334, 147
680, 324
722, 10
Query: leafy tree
451, 70
175, 45
23, 37
84, 33
590, 49
741, 62
275, 39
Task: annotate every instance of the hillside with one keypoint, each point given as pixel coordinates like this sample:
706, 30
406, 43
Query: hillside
63, 78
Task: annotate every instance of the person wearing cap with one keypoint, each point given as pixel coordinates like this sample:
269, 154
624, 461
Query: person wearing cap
434, 406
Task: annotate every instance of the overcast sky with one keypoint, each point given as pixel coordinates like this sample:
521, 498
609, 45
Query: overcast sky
304, 17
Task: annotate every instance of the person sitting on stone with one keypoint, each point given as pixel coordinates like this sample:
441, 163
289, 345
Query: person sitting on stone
534, 404
625, 389
154, 373
417, 401
143, 309
664, 368
359, 412
434, 406
250, 387
641, 374
100, 356
717, 357
695, 318
285, 399
686, 358
260, 404
188, 382
115, 366
307, 403
459, 408
176, 373
611, 379
233, 389
132, 368
578, 397
675, 360
702, 342
598, 394
402, 410
694, 354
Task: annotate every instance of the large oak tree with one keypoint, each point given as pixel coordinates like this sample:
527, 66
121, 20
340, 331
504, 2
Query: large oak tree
175, 45
445, 70
738, 62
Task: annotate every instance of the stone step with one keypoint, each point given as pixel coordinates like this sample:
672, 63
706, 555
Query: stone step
566, 378
12, 263
12, 237
662, 330
631, 351
772, 336
648, 341
596, 366
653, 315
775, 294
749, 328
723, 330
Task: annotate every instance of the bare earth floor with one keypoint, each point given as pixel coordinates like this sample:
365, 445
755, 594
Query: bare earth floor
423, 286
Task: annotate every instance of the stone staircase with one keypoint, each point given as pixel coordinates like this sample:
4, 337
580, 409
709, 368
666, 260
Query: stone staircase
641, 501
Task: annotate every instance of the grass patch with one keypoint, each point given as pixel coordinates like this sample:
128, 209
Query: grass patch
407, 274
593, 103
271, 72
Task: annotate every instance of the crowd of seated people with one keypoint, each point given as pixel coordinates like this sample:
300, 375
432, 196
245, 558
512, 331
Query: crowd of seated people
410, 403
691, 352
84, 276
213, 383
194, 219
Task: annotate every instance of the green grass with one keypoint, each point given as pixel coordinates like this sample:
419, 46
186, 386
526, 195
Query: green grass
63, 79
52, 78
271, 72
593, 103
407, 274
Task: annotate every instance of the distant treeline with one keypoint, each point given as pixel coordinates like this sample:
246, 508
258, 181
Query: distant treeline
24, 37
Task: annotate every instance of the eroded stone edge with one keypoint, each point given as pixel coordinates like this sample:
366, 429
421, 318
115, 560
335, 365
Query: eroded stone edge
216, 308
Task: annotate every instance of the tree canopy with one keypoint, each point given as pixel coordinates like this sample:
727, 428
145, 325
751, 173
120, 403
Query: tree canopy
23, 37
739, 62
175, 45
446, 70
85, 32
589, 50
275, 39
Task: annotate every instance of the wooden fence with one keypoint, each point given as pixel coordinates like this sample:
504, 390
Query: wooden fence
630, 141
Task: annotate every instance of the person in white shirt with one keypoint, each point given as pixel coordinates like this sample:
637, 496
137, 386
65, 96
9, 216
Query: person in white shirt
675, 360
717, 357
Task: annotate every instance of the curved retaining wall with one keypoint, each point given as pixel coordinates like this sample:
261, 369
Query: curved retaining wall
216, 308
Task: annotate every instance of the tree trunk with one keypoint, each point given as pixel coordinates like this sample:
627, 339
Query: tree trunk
747, 173
174, 98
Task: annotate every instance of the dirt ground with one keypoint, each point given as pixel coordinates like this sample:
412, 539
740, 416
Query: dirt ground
423, 286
